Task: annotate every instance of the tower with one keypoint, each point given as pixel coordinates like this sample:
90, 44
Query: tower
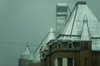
61, 16
26, 57
86, 45
76, 38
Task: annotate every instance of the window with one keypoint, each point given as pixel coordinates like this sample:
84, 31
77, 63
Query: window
59, 61
85, 45
70, 61
59, 45
61, 9
86, 62
70, 45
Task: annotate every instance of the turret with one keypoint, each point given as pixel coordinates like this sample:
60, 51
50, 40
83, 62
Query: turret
26, 53
85, 36
31, 56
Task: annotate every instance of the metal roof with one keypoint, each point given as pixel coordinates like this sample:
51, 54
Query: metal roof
85, 36
26, 53
50, 36
74, 25
81, 25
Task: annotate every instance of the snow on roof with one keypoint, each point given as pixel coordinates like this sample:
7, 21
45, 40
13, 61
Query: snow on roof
85, 30
50, 36
68, 28
75, 22
51, 30
31, 56
26, 53
62, 4
36, 58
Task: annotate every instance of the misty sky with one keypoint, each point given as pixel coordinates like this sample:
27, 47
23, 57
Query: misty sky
23, 21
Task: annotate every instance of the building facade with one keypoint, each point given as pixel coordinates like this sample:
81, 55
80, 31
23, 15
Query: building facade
70, 53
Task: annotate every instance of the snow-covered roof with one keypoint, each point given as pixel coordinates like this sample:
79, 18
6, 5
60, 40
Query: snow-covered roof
62, 4
31, 56
75, 22
81, 25
50, 36
26, 53
85, 36
36, 58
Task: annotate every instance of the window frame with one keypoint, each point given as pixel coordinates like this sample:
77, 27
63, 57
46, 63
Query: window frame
71, 44
60, 62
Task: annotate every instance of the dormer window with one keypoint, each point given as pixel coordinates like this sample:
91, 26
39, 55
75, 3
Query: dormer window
59, 45
70, 45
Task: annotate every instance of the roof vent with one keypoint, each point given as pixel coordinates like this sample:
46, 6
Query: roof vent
81, 2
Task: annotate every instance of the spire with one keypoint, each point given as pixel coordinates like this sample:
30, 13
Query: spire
85, 36
51, 30
50, 36
26, 53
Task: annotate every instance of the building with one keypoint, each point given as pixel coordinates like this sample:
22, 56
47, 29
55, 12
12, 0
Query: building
27, 58
74, 43
78, 43
62, 13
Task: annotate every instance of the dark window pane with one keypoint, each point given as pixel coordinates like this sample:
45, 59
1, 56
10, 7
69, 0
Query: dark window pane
59, 61
59, 45
86, 62
70, 45
70, 61
61, 9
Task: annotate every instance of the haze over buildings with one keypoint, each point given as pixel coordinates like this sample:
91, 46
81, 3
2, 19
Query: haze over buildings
76, 35
24, 21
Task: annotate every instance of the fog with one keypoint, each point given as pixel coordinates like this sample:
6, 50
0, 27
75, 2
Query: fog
23, 21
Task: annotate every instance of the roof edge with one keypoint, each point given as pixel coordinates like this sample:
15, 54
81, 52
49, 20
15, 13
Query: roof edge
81, 2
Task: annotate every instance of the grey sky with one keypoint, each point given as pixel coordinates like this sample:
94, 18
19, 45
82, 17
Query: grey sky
23, 21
